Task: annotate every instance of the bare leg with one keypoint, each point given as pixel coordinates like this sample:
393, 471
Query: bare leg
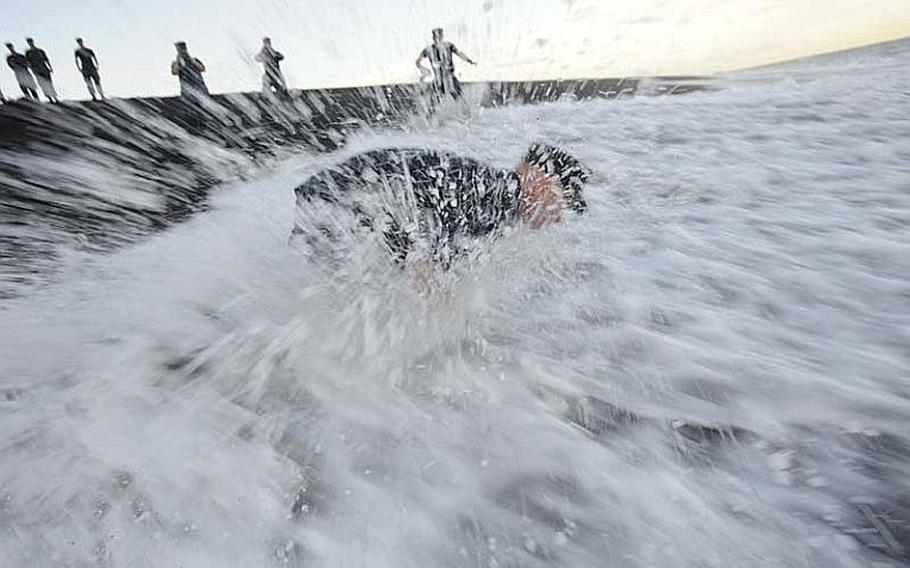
47, 87
90, 87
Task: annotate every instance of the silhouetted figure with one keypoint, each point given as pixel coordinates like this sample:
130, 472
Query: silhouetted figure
87, 64
41, 67
272, 78
439, 53
19, 64
189, 70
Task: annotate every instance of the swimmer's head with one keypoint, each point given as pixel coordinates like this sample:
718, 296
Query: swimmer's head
551, 180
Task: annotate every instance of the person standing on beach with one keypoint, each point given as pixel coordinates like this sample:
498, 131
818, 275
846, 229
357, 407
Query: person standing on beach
272, 78
19, 64
189, 70
41, 67
87, 64
439, 54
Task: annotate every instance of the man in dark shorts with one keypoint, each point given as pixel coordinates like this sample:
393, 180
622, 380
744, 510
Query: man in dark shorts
189, 70
439, 54
87, 64
430, 206
19, 64
272, 78
41, 67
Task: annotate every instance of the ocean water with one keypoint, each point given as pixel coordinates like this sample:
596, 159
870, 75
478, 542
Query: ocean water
710, 368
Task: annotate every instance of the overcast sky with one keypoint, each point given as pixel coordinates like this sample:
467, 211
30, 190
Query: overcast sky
361, 42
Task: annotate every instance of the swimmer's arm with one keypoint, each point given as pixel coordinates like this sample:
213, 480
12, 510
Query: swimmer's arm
419, 272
